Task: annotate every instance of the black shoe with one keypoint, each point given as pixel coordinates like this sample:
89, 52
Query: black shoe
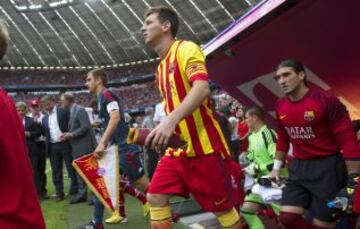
44, 197
91, 225
77, 199
59, 197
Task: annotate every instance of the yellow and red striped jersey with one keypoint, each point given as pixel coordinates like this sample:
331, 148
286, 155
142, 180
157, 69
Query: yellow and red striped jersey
183, 64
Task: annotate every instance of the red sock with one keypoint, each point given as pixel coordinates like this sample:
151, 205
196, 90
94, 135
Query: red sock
293, 221
135, 193
122, 204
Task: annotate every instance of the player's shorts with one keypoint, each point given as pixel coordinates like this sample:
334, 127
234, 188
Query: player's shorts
206, 178
314, 182
130, 163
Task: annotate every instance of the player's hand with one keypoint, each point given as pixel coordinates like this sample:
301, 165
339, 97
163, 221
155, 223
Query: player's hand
65, 137
160, 135
100, 150
349, 190
275, 174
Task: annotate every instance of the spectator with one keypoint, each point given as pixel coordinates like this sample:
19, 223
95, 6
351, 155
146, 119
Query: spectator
148, 120
55, 123
32, 131
38, 116
81, 137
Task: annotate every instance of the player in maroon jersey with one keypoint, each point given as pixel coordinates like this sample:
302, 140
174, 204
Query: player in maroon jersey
19, 205
318, 126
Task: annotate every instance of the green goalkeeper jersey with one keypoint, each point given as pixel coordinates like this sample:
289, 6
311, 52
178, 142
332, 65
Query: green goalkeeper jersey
261, 151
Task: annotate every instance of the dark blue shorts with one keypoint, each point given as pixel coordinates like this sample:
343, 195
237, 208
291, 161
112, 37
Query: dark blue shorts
130, 163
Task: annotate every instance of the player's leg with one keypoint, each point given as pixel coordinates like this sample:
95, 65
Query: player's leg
292, 217
167, 180
208, 179
249, 211
328, 176
295, 198
119, 216
131, 165
160, 211
128, 189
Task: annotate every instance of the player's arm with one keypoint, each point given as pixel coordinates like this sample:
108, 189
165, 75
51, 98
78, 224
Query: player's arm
162, 133
270, 138
114, 113
282, 147
341, 126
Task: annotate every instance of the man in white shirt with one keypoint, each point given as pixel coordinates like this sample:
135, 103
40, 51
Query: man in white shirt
159, 113
55, 123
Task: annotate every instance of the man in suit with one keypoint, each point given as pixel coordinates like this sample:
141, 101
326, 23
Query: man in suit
37, 115
55, 123
32, 131
81, 137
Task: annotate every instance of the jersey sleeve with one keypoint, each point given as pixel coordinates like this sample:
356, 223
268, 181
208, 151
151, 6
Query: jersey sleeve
341, 126
192, 61
283, 140
250, 152
270, 144
110, 102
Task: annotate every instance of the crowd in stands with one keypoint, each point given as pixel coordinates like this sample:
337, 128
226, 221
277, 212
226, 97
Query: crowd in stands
132, 97
68, 77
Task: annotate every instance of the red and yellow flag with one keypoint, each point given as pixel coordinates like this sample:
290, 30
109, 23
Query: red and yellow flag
102, 176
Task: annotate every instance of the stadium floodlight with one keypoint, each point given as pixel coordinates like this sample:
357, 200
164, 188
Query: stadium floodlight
35, 7
21, 7
44, 5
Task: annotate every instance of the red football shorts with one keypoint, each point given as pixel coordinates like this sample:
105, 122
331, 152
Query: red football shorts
207, 178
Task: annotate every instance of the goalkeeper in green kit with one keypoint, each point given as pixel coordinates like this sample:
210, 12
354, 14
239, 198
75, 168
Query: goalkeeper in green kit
261, 154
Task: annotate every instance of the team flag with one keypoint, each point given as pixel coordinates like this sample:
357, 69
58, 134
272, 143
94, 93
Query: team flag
102, 176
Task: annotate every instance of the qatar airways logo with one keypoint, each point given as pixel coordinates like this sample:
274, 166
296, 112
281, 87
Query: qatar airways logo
300, 132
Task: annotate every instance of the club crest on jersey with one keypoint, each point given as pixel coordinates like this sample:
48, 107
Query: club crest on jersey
171, 68
309, 116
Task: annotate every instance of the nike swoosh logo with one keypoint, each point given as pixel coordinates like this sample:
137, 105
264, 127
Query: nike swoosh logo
282, 116
217, 203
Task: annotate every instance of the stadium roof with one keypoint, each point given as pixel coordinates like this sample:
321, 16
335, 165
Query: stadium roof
88, 33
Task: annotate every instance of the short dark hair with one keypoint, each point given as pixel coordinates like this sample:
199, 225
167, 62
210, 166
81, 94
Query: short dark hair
295, 64
99, 74
292, 63
4, 39
165, 14
68, 96
46, 98
256, 111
